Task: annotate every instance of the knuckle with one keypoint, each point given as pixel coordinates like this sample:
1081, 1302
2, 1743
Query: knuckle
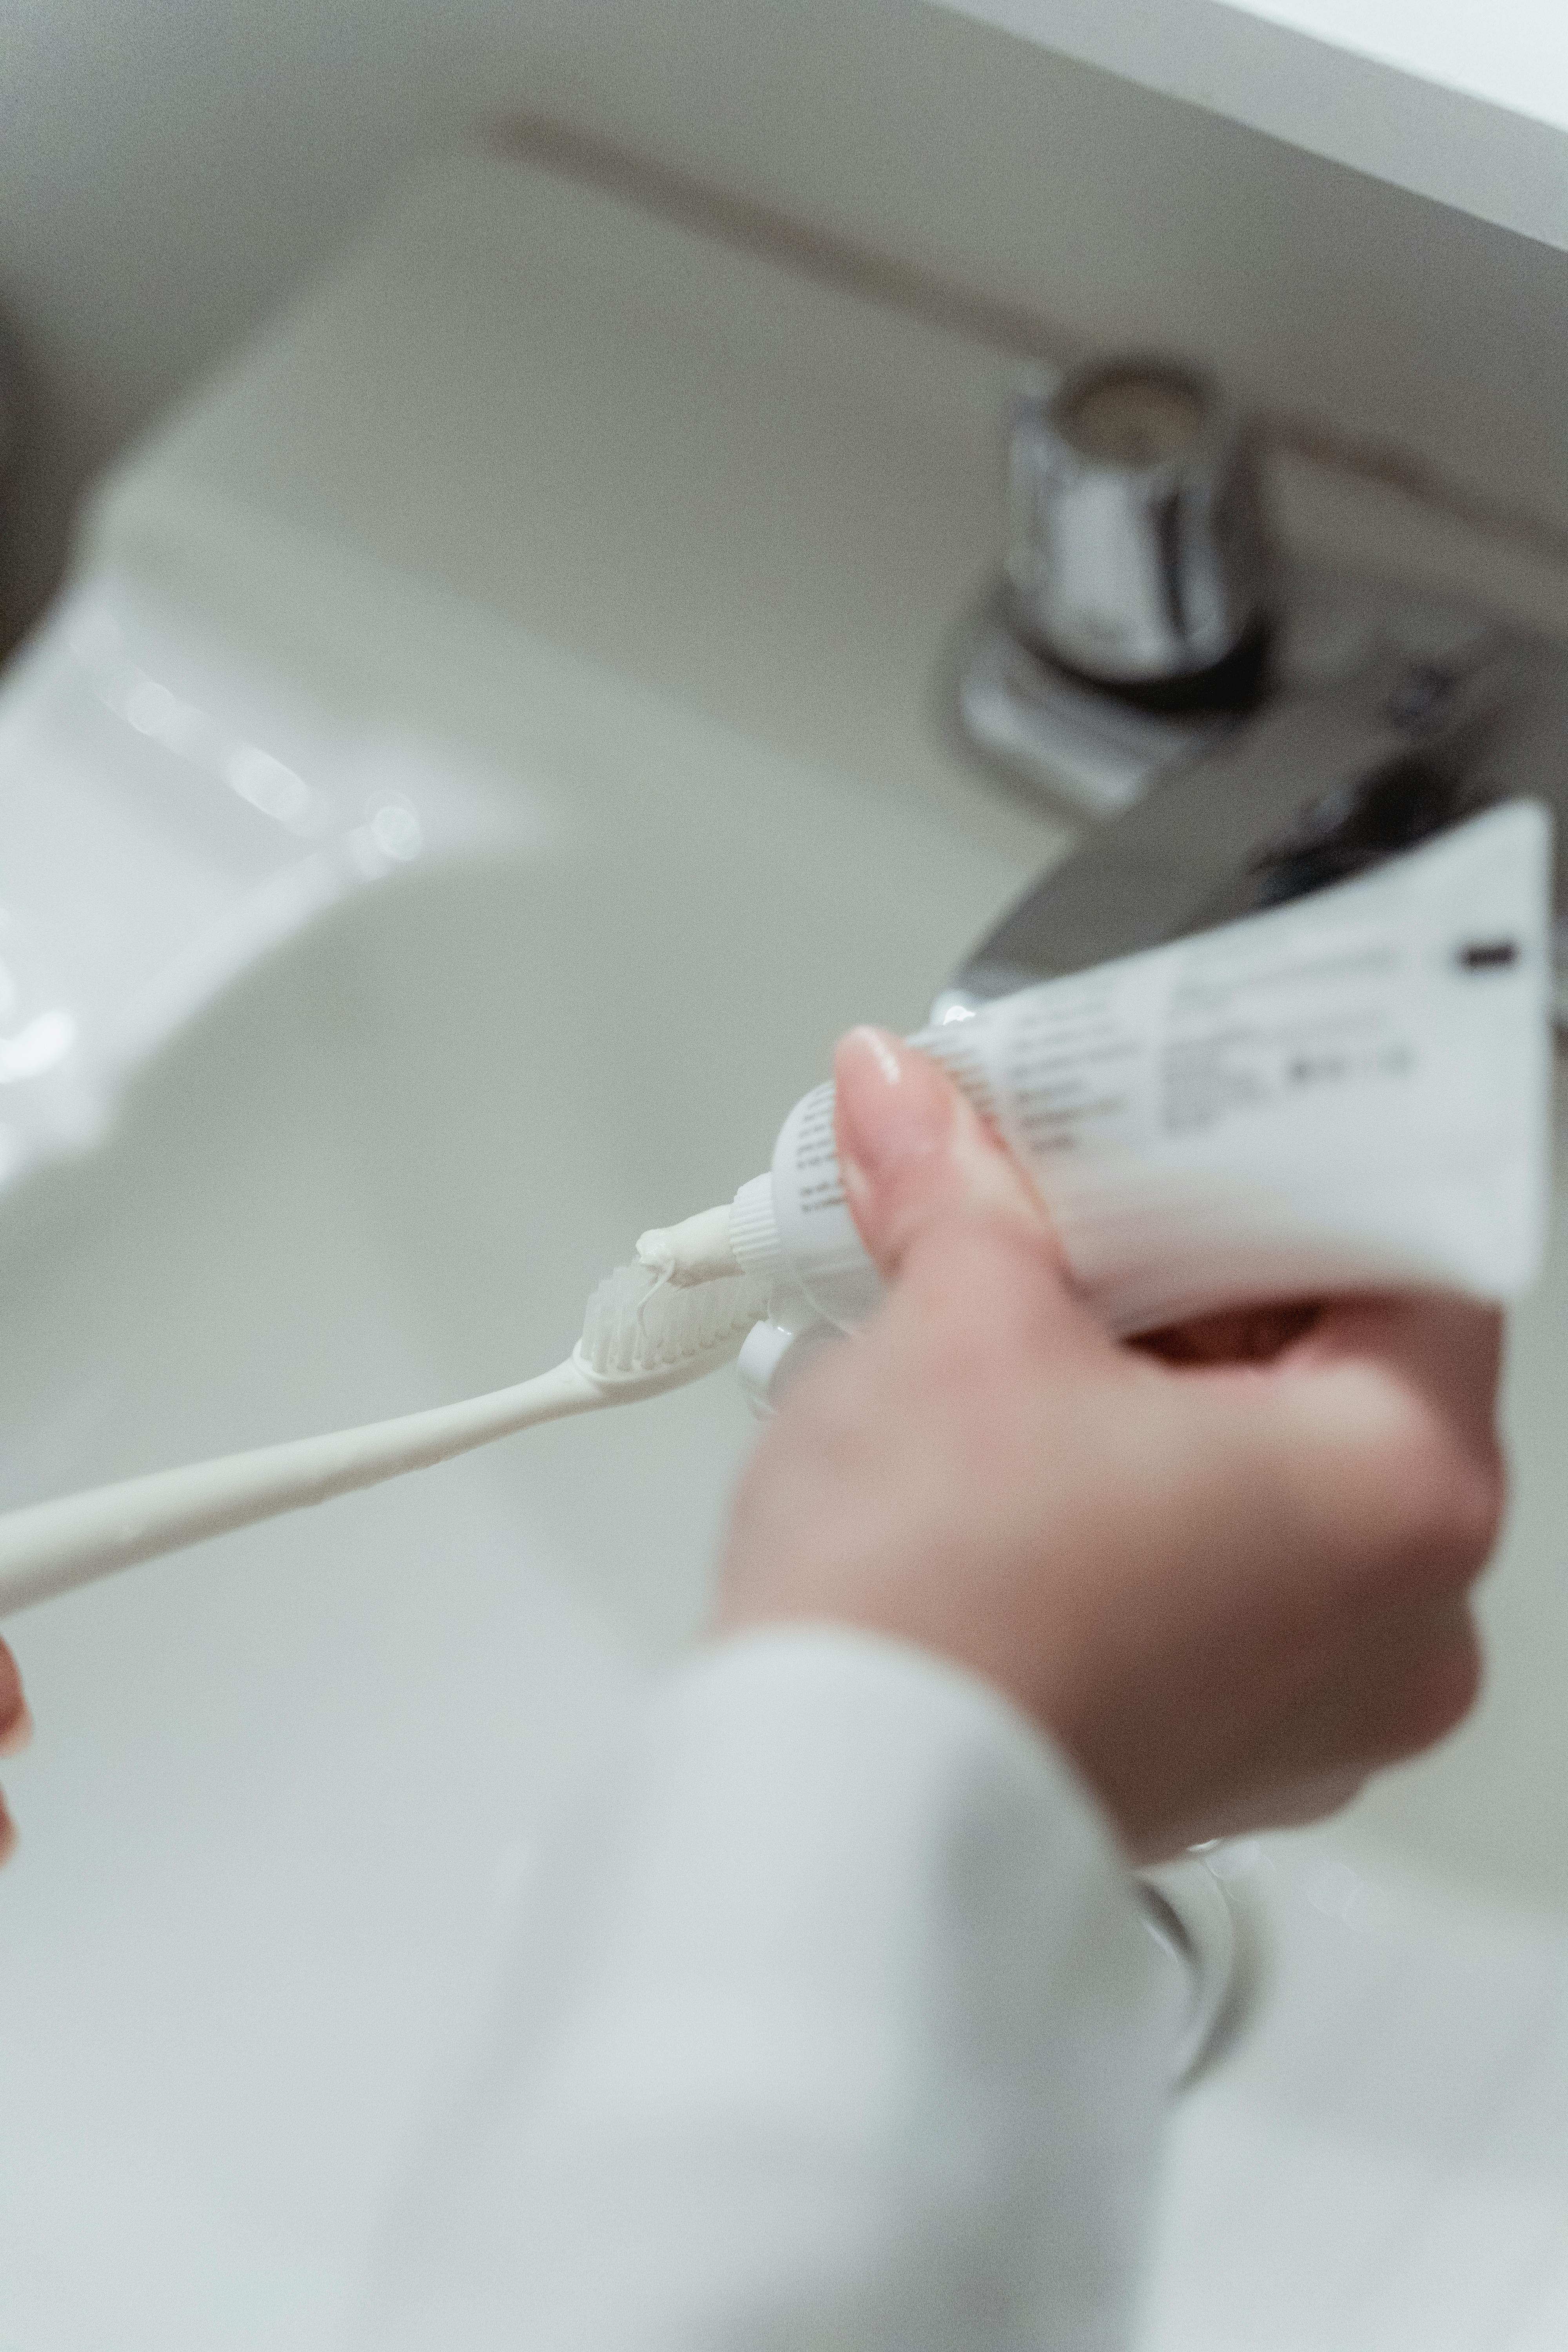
1431, 1499
1431, 1695
1478, 1505
1454, 1504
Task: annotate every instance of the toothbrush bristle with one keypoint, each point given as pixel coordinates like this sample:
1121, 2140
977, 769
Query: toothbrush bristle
636, 1323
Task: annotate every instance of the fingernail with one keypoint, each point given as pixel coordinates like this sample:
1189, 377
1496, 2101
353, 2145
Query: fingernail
894, 1107
18, 1732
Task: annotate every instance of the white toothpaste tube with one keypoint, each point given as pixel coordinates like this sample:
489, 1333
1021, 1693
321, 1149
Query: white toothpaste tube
1350, 1092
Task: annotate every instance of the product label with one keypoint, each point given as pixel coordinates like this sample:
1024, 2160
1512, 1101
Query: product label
813, 1155
1106, 1066
1348, 1088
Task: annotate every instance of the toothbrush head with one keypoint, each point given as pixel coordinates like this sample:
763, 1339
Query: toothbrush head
642, 1333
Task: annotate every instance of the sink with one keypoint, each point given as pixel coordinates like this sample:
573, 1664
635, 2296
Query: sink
279, 1817
614, 598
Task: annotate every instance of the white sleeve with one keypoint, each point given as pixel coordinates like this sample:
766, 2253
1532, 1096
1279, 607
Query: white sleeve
838, 2027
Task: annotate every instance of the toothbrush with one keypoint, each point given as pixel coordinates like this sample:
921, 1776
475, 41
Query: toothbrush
645, 1330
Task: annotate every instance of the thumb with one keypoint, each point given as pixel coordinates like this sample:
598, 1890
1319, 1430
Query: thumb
916, 1156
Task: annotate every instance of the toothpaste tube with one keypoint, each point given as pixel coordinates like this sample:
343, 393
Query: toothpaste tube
1350, 1092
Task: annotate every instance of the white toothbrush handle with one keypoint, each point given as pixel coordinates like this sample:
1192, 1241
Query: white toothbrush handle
52, 1547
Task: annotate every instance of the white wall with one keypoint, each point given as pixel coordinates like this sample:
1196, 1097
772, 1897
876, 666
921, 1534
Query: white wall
1467, 105
169, 169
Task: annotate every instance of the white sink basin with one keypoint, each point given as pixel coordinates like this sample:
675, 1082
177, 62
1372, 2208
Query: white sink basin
681, 811
282, 1804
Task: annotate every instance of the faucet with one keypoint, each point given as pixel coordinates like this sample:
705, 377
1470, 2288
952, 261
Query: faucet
1237, 729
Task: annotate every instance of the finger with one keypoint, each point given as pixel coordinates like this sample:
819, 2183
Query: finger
1447, 1350
15, 1721
915, 1155
1424, 1691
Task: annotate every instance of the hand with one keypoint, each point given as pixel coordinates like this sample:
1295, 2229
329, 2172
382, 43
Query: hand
1227, 1569
16, 1730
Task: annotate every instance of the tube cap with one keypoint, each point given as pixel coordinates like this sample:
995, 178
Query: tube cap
772, 1357
754, 1232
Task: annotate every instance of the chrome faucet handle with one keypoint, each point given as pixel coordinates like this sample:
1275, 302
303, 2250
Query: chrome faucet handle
1141, 631
1137, 552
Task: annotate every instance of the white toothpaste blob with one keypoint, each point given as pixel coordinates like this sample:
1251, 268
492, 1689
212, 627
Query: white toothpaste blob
1347, 1093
